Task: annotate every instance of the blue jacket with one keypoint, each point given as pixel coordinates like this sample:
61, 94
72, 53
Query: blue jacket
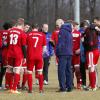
65, 41
82, 54
49, 49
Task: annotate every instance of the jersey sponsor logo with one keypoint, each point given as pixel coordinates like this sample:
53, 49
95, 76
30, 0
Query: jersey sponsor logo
57, 31
75, 35
5, 32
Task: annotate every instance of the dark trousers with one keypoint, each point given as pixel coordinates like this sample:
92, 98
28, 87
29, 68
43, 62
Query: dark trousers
45, 68
2, 73
65, 72
83, 72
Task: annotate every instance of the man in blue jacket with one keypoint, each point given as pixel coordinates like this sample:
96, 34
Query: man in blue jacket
64, 53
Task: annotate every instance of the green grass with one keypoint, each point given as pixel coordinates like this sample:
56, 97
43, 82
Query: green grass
50, 91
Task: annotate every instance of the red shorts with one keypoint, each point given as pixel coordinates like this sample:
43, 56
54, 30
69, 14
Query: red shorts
38, 63
76, 60
14, 62
92, 58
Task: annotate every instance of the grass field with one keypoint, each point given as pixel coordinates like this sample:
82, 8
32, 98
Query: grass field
50, 91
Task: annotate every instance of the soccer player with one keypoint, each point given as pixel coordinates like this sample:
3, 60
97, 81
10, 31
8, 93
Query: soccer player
4, 33
83, 25
92, 53
16, 50
76, 53
36, 44
24, 65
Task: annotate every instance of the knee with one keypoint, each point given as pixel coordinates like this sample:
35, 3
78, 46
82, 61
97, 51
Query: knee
16, 70
91, 69
29, 72
9, 70
40, 72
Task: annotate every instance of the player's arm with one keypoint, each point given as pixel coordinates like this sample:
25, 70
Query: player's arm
24, 50
77, 52
24, 45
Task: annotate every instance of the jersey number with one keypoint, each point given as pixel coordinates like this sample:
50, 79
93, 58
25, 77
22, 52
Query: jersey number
36, 41
13, 39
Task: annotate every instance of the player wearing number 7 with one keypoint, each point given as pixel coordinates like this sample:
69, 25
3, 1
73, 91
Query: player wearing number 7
16, 50
36, 44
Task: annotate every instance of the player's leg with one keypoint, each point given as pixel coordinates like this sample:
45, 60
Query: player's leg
83, 73
97, 72
39, 67
24, 80
5, 65
16, 70
36, 77
9, 74
2, 73
92, 62
45, 70
30, 66
76, 64
16, 77
78, 76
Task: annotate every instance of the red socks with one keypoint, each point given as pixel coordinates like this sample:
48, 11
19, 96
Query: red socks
7, 81
40, 77
29, 77
40, 82
24, 79
16, 80
9, 78
92, 78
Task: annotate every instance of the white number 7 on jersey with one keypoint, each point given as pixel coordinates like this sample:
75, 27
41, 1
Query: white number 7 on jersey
36, 38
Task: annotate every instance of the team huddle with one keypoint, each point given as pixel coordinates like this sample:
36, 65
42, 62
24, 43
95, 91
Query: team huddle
25, 47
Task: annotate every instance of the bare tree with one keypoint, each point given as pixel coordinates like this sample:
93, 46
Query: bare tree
92, 5
71, 8
28, 10
56, 9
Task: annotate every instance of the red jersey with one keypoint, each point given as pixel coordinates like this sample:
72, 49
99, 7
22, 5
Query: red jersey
76, 40
35, 42
54, 36
16, 39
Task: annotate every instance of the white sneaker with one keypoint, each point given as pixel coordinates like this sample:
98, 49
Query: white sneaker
94, 89
0, 88
45, 82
